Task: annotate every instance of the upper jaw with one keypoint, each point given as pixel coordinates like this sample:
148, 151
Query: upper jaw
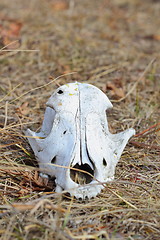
91, 186
86, 191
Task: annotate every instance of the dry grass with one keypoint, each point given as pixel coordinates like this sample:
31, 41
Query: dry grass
114, 45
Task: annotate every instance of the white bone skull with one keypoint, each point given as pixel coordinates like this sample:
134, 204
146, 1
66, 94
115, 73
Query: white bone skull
75, 135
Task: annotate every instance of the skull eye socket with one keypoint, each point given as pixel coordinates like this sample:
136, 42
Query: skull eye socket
53, 160
60, 91
104, 162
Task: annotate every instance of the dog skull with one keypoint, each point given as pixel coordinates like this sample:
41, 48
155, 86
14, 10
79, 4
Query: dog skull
75, 135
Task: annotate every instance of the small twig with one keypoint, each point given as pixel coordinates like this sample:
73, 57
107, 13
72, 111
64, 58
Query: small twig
3, 49
21, 50
30, 206
16, 125
144, 145
123, 199
9, 144
11, 43
146, 130
6, 114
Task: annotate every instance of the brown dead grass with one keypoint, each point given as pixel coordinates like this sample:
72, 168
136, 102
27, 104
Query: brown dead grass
114, 45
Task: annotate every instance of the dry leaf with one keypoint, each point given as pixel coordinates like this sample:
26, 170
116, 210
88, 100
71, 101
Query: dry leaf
157, 37
15, 28
152, 37
9, 32
23, 109
59, 5
116, 91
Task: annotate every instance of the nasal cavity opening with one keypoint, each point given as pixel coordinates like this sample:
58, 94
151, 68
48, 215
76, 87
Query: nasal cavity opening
80, 177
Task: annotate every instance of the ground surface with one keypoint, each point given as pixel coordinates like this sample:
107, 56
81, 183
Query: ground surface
114, 45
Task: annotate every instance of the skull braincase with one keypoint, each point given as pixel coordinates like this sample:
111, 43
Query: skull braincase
75, 135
